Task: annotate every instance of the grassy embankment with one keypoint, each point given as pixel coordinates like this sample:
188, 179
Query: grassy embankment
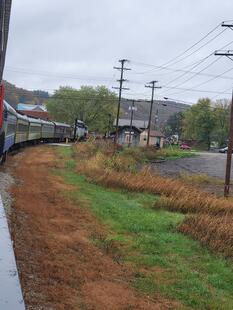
145, 235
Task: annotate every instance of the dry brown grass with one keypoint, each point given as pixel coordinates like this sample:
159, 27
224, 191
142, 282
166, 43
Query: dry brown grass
176, 196
209, 217
216, 232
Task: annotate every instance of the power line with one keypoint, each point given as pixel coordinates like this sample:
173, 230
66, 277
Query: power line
76, 97
205, 82
198, 71
196, 90
195, 44
199, 48
221, 93
108, 79
193, 65
206, 67
49, 74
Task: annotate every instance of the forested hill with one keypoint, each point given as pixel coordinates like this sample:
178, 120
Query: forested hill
15, 95
161, 112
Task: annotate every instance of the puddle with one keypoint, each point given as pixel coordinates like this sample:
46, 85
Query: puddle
10, 291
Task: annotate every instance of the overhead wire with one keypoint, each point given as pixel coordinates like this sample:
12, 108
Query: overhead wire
190, 78
205, 82
172, 61
199, 47
195, 44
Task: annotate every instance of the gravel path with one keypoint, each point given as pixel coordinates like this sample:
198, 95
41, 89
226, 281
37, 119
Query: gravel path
213, 164
6, 181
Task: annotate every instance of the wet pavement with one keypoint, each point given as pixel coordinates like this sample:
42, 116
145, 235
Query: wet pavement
212, 164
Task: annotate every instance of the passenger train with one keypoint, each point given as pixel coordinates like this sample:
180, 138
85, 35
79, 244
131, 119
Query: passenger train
17, 130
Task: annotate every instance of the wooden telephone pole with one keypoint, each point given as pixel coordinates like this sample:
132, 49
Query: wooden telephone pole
153, 87
121, 81
228, 54
132, 108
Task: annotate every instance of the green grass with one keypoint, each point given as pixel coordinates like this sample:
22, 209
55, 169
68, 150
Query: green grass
165, 261
149, 154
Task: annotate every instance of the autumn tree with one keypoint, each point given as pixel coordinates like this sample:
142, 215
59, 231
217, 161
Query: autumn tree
174, 124
221, 114
93, 105
199, 122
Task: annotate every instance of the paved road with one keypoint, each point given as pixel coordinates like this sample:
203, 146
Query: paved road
213, 164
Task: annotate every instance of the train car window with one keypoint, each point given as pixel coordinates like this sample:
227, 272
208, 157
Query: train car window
11, 128
11, 124
35, 129
22, 127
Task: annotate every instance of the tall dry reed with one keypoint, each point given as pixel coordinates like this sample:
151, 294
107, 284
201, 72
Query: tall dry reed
209, 218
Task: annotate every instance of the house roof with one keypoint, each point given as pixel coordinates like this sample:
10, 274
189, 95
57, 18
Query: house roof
155, 133
128, 128
40, 114
136, 123
31, 107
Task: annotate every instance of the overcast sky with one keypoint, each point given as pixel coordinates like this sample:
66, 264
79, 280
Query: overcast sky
74, 42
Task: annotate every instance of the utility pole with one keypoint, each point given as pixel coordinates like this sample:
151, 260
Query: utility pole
228, 25
121, 81
132, 108
230, 139
109, 124
153, 87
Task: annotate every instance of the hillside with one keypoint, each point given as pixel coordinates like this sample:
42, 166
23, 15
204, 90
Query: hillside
15, 95
165, 110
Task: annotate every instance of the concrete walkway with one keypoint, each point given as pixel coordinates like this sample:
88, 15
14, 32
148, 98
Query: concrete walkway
10, 291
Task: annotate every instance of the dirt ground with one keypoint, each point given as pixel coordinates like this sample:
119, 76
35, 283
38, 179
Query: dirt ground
211, 164
60, 268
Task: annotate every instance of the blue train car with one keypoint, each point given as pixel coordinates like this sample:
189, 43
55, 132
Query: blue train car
9, 126
2, 134
18, 130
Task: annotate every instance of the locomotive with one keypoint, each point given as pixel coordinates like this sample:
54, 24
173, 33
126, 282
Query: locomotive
18, 130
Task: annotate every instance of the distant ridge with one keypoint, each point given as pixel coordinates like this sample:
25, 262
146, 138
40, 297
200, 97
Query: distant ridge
165, 110
15, 95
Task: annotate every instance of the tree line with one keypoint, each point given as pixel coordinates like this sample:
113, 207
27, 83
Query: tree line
96, 106
205, 122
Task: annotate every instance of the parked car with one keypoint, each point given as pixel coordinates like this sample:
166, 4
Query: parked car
224, 150
184, 146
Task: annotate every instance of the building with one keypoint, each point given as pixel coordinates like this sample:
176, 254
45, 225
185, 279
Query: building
38, 111
141, 124
156, 138
124, 137
139, 132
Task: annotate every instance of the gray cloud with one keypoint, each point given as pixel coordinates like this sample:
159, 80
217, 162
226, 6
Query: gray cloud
77, 42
